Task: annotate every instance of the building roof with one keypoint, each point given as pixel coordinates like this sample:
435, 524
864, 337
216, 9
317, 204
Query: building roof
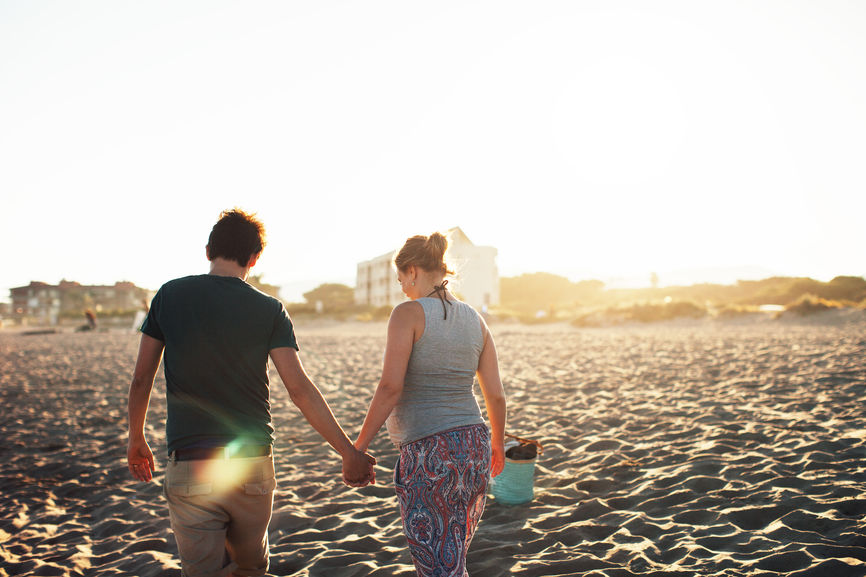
457, 233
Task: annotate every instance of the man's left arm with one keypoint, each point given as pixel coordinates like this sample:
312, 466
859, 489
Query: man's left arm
138, 454
357, 465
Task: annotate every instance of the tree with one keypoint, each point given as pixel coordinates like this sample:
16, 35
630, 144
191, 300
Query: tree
256, 281
333, 296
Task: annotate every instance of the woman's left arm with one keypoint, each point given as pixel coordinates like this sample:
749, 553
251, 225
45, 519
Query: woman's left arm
494, 399
401, 337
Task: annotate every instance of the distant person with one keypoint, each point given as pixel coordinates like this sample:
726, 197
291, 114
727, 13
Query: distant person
436, 346
90, 324
140, 315
217, 333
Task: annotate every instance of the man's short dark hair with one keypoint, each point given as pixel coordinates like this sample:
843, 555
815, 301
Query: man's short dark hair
236, 236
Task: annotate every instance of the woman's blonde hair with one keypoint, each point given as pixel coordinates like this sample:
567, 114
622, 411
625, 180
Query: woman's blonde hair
426, 252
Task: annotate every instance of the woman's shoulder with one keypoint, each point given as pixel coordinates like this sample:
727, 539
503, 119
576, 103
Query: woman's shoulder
470, 310
407, 315
407, 310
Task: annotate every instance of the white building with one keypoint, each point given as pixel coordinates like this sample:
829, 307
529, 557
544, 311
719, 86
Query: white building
376, 282
476, 279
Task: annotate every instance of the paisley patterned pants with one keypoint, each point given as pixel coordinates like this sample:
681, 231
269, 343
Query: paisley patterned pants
441, 483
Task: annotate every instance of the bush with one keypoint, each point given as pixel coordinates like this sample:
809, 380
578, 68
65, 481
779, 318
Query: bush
643, 312
299, 309
373, 314
528, 293
810, 304
646, 313
604, 318
845, 288
333, 296
382, 313
736, 311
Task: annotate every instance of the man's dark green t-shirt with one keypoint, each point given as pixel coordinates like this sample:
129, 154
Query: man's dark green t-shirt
217, 331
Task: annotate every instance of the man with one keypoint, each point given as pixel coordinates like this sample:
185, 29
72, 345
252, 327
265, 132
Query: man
217, 333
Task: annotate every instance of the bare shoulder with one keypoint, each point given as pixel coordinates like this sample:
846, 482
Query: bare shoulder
407, 311
407, 316
485, 330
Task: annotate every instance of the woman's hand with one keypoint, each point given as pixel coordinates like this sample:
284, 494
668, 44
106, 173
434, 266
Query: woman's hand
497, 460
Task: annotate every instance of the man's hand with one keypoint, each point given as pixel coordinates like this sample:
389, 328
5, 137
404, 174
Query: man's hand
139, 458
358, 469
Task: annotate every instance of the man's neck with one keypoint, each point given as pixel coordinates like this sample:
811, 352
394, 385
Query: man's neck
224, 267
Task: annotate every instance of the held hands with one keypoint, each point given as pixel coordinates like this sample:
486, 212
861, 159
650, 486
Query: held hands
139, 459
358, 469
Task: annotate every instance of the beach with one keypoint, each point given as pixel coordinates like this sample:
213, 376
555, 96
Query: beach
673, 449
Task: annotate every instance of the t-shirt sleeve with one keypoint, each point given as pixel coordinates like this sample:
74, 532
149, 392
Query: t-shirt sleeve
283, 334
151, 327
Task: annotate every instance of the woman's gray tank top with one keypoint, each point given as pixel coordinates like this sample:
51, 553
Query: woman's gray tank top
437, 392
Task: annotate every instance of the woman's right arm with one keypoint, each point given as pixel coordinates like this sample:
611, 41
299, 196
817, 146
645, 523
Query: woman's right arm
402, 327
494, 399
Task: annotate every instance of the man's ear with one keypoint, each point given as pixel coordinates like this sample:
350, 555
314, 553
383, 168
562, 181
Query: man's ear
207, 251
253, 260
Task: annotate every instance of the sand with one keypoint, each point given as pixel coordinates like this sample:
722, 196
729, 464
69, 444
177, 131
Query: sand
680, 449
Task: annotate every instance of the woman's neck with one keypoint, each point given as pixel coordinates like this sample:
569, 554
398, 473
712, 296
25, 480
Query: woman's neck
427, 287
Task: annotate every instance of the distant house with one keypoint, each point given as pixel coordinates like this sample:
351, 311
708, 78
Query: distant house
37, 300
46, 303
476, 279
376, 283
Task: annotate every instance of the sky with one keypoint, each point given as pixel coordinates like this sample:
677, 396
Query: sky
702, 141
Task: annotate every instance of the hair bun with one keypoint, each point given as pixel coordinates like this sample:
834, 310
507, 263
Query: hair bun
436, 245
426, 252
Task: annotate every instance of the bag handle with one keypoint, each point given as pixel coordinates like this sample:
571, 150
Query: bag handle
527, 441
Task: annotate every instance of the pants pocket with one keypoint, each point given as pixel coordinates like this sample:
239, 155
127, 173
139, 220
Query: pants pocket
398, 484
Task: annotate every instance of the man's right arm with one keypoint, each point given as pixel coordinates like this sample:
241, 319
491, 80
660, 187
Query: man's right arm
138, 454
357, 466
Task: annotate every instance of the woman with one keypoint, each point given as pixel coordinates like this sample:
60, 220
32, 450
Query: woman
436, 346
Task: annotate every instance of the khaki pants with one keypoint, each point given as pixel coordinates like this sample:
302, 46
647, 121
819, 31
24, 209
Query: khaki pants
220, 510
